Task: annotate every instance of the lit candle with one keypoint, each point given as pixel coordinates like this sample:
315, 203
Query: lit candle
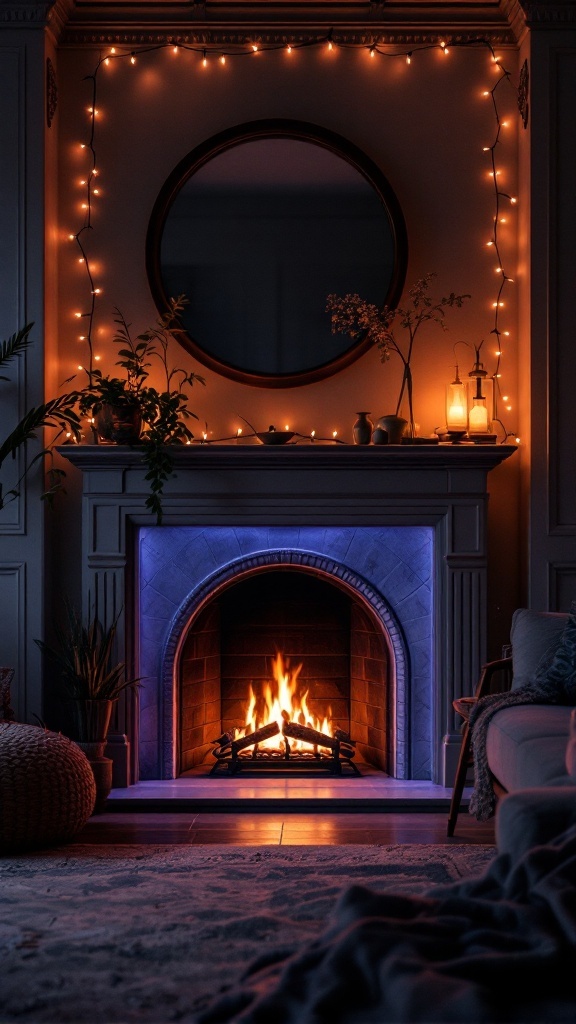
456, 405
478, 419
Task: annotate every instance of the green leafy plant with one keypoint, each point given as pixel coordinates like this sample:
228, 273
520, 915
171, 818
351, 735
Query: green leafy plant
84, 657
354, 316
60, 413
164, 412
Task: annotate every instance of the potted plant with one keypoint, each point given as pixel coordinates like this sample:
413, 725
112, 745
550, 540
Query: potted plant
131, 411
88, 681
60, 413
352, 315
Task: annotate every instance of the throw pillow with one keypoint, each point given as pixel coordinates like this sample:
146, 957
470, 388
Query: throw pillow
534, 636
560, 675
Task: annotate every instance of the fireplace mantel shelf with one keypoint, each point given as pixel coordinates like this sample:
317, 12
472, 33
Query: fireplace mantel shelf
312, 456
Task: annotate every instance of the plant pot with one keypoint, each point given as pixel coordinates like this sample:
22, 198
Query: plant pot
394, 427
118, 423
90, 721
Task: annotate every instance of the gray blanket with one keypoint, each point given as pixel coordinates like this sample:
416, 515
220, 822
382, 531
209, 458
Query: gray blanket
482, 799
498, 948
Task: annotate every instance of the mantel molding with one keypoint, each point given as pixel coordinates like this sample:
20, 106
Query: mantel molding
203, 21
313, 456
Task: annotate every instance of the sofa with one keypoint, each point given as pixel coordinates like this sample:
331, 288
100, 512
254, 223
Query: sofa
531, 747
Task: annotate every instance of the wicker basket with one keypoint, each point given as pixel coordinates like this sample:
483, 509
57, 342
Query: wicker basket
47, 788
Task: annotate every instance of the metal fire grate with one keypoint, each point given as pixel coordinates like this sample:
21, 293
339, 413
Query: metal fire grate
232, 757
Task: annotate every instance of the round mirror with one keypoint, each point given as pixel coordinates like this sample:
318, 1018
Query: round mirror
256, 227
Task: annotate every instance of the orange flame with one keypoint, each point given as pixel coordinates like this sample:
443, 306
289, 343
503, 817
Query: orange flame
282, 702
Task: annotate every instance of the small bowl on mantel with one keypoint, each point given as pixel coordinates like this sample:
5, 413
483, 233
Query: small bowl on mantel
275, 436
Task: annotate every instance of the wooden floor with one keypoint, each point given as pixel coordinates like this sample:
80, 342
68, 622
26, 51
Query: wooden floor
282, 829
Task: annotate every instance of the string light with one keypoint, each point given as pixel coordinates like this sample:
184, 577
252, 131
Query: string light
375, 49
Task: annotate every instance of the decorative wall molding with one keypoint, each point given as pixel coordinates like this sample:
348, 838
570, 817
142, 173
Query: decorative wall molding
364, 22
538, 12
51, 92
524, 93
35, 11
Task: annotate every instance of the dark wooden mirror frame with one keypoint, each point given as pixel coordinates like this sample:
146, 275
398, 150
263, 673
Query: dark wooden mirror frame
274, 129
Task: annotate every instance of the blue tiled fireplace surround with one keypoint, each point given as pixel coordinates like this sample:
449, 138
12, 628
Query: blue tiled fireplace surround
389, 569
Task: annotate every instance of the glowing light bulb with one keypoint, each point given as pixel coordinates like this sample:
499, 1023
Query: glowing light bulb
78, 315
97, 358
71, 237
513, 199
408, 58
113, 49
334, 433
132, 58
372, 51
254, 48
288, 48
204, 59
330, 46
222, 59
175, 48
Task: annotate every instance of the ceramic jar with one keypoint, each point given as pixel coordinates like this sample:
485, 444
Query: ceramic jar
394, 427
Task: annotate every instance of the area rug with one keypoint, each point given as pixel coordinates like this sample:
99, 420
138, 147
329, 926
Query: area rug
111, 935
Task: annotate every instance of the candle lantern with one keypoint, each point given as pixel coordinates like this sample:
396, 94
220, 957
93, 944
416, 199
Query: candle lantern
481, 401
456, 408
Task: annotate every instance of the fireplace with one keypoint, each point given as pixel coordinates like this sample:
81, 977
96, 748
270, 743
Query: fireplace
365, 565
354, 605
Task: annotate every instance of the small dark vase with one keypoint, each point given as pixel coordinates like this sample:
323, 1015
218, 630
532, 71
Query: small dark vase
362, 429
119, 423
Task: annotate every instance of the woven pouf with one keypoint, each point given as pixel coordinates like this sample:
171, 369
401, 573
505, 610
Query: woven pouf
47, 788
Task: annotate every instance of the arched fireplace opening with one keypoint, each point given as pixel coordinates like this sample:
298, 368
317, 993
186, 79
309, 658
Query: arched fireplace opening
316, 633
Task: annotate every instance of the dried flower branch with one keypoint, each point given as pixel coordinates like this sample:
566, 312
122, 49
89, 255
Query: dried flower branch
354, 316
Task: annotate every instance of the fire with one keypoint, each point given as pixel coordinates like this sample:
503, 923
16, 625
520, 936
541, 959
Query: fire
281, 702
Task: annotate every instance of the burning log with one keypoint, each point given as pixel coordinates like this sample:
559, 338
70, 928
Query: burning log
265, 733
308, 735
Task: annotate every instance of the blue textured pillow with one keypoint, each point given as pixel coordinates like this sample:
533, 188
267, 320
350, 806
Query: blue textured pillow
534, 637
560, 675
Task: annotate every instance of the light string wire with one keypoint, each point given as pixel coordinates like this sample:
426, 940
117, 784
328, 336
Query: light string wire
374, 49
